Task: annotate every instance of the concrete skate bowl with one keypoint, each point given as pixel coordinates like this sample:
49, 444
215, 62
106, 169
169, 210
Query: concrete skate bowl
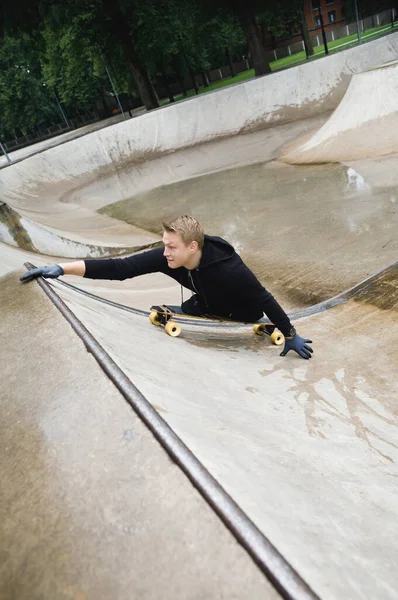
365, 123
307, 450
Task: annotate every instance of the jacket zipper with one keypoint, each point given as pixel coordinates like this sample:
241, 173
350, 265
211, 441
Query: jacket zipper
193, 285
195, 288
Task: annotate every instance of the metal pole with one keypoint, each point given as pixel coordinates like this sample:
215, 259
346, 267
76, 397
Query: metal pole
62, 112
325, 43
114, 91
358, 25
5, 152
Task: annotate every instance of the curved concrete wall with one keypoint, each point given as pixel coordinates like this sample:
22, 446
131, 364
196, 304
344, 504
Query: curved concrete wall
292, 94
364, 124
26, 234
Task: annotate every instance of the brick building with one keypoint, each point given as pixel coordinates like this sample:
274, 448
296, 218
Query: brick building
332, 12
334, 17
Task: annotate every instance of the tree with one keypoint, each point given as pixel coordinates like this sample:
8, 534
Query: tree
309, 48
120, 29
142, 43
246, 12
226, 40
105, 21
24, 101
164, 32
285, 17
177, 39
70, 63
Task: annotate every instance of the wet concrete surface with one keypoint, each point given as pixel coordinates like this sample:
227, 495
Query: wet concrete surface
90, 506
307, 449
96, 189
307, 232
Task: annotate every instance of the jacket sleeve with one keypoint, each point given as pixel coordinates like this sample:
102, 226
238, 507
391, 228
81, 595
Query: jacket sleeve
255, 294
275, 313
151, 261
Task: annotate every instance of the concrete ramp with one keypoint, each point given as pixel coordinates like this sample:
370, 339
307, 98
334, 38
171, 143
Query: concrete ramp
365, 124
91, 506
308, 450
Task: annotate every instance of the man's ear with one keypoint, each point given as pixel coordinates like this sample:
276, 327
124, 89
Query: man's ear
194, 246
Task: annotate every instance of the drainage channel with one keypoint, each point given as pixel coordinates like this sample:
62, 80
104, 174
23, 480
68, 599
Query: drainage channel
278, 571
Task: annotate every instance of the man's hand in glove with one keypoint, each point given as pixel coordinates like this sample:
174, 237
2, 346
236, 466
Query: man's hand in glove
51, 272
299, 345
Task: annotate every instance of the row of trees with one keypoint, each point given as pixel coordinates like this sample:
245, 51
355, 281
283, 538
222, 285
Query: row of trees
52, 49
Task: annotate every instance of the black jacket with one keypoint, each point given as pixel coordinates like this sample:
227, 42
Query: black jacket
223, 283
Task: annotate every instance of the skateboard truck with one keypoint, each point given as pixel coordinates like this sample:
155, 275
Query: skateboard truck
162, 315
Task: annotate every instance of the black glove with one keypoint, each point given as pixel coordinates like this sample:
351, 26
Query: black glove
299, 345
51, 272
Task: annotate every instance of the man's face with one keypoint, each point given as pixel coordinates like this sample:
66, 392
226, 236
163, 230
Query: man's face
176, 252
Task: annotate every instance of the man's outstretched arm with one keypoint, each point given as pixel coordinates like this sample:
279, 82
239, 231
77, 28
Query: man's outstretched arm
108, 268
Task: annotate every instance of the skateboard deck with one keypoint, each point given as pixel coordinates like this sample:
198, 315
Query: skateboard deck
164, 315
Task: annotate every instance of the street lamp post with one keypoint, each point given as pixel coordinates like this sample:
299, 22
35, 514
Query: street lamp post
61, 110
358, 24
325, 43
4, 151
113, 88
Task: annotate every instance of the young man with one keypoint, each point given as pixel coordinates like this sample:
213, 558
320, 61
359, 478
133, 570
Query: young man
209, 266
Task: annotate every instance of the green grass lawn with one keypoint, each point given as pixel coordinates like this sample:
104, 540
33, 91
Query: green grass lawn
294, 59
345, 42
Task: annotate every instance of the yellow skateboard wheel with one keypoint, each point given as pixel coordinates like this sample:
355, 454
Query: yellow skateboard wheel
277, 337
258, 329
173, 329
154, 318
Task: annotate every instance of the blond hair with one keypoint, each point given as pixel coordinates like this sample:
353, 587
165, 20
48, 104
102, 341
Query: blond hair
188, 228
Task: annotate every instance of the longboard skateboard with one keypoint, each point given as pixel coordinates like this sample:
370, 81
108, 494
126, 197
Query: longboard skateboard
163, 315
